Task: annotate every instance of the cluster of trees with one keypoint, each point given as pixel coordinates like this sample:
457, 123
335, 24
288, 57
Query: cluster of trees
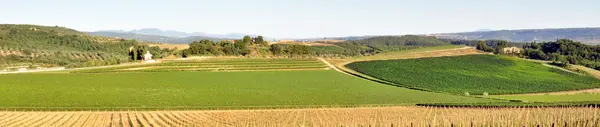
235, 47
137, 52
564, 51
291, 50
495, 46
244, 47
364, 47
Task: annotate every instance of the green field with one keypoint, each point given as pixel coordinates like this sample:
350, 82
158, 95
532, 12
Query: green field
217, 64
582, 97
475, 74
107, 89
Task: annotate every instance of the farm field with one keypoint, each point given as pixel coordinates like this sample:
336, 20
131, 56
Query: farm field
217, 64
361, 116
475, 74
433, 51
116, 88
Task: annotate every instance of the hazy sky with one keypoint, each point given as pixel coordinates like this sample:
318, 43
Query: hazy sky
304, 18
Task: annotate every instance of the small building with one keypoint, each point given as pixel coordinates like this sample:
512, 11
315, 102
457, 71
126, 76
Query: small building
21, 69
511, 50
147, 56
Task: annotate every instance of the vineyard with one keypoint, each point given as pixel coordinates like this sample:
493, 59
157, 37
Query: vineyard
368, 116
219, 64
475, 75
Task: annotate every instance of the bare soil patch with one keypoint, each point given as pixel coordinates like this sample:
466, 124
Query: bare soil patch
306, 43
172, 46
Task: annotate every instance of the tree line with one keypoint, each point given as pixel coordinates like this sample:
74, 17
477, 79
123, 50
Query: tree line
562, 51
243, 47
364, 47
565, 51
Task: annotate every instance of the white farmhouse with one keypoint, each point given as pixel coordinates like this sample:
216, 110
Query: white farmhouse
510, 50
147, 56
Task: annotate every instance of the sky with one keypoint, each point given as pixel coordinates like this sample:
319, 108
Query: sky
304, 18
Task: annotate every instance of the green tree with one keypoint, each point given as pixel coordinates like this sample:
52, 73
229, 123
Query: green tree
500, 47
247, 40
134, 54
245, 51
228, 48
276, 49
481, 45
260, 41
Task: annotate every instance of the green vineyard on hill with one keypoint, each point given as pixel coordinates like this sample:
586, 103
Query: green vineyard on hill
475, 74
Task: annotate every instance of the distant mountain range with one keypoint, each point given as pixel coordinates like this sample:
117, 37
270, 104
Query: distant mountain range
176, 34
152, 38
165, 36
584, 35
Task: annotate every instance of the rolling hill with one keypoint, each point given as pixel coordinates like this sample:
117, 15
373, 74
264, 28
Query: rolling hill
475, 74
585, 35
24, 45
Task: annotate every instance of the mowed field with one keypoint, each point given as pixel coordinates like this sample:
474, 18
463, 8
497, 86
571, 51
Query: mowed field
218, 65
327, 117
475, 74
206, 84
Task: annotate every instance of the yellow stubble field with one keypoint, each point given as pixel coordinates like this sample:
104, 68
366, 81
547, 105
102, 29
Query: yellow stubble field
359, 116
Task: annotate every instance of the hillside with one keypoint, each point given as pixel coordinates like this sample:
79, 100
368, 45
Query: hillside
475, 74
374, 45
585, 35
26, 45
